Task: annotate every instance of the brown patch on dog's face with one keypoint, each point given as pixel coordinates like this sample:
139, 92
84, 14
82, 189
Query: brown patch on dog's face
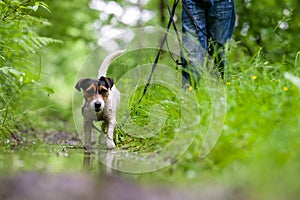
84, 84
107, 82
89, 86
94, 88
103, 91
90, 93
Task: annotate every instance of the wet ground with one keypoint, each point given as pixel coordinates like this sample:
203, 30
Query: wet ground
36, 186
60, 168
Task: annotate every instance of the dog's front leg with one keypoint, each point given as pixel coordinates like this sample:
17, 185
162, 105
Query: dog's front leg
88, 129
110, 134
102, 138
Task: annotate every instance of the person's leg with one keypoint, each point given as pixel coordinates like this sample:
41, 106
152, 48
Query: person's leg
194, 40
220, 23
216, 52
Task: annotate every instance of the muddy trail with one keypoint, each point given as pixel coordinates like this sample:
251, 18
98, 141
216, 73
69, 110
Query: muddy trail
29, 173
36, 186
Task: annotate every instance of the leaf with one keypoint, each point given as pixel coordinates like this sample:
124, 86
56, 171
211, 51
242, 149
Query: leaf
32, 43
43, 5
294, 79
15, 72
43, 87
2, 58
9, 70
48, 90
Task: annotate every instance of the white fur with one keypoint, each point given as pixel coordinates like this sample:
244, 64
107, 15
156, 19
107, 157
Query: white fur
100, 99
106, 62
108, 108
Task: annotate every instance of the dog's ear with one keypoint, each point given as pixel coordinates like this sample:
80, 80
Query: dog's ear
83, 84
109, 82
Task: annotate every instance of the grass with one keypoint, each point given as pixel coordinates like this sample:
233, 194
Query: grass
258, 149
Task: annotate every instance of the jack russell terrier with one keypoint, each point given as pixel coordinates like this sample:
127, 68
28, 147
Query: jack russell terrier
101, 101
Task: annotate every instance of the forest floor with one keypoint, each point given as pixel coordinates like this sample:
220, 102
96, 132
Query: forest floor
36, 186
107, 184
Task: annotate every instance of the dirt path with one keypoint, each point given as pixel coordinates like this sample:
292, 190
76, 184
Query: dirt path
79, 186
37, 186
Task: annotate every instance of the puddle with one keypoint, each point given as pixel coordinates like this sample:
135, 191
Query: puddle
41, 157
72, 159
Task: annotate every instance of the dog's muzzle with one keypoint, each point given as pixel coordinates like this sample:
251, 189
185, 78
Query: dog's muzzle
97, 106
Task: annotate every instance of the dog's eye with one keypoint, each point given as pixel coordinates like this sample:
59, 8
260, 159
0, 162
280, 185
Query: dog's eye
90, 92
102, 92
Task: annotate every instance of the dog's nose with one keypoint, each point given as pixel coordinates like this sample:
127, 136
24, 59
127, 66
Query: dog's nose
97, 104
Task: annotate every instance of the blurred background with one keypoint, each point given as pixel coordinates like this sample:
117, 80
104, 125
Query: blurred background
43, 44
73, 30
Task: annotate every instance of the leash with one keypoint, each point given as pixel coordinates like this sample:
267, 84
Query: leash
177, 35
171, 21
96, 128
198, 28
163, 41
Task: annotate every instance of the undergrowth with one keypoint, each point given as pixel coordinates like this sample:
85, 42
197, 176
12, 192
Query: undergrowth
259, 135
20, 64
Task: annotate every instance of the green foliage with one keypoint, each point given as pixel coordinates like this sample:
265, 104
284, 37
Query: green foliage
20, 44
256, 153
258, 148
71, 21
273, 27
259, 137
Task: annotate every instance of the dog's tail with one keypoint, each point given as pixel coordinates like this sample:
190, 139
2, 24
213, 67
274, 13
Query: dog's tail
106, 62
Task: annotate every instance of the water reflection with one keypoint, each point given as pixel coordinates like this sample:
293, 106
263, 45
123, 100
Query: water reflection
112, 161
87, 162
100, 157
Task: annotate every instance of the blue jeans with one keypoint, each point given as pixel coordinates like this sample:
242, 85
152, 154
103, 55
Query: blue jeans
206, 26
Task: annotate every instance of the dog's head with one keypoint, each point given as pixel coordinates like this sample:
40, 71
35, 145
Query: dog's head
96, 92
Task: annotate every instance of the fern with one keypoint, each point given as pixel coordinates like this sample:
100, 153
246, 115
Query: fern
19, 42
31, 44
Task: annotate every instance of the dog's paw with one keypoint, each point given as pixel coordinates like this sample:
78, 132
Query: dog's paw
110, 144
